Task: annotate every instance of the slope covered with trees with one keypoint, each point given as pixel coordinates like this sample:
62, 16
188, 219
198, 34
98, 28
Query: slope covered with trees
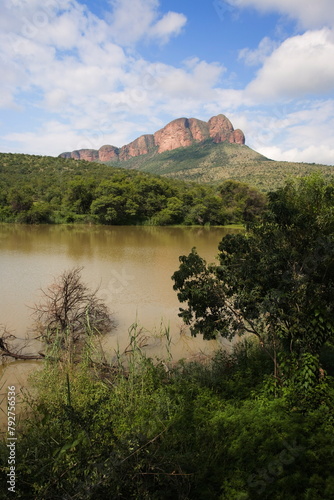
36, 189
214, 163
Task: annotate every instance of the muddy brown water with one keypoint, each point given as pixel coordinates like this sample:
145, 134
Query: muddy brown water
131, 267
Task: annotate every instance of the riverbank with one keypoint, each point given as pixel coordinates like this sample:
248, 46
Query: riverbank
155, 429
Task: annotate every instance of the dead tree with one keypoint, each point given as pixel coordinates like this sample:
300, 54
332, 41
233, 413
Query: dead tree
68, 313
69, 310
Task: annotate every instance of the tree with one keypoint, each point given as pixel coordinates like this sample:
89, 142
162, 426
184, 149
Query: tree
20, 199
276, 281
172, 214
70, 310
80, 194
242, 201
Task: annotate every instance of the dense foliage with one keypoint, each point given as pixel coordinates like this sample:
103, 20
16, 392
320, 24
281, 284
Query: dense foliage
37, 189
193, 432
276, 282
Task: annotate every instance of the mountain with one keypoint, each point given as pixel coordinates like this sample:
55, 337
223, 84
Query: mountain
182, 132
204, 152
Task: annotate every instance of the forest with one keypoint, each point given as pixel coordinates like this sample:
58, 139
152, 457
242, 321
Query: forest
43, 190
253, 423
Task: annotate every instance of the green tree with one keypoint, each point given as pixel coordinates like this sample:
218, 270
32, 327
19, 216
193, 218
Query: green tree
172, 214
39, 213
20, 199
80, 194
242, 201
276, 281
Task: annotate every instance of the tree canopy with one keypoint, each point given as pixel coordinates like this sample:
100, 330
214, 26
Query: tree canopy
275, 281
36, 189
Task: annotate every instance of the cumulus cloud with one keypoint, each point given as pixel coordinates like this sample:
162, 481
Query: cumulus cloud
257, 56
196, 80
70, 57
300, 66
133, 20
47, 139
291, 134
60, 58
323, 154
170, 24
309, 14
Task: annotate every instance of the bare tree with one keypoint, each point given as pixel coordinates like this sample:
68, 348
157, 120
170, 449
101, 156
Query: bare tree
70, 310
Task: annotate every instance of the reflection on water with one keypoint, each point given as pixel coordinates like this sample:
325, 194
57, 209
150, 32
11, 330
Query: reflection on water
131, 266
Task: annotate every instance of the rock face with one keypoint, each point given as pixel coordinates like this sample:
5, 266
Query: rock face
107, 153
220, 128
141, 146
82, 154
181, 132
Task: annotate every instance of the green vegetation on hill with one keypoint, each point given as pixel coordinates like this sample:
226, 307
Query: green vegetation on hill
207, 162
36, 189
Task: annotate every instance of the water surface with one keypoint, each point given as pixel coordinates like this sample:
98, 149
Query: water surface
131, 266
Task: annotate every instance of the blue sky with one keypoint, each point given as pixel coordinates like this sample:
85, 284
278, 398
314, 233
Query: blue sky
80, 74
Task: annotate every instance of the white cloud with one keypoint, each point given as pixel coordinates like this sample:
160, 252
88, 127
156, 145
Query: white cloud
309, 13
133, 20
300, 66
70, 58
196, 80
70, 65
314, 153
258, 56
171, 24
301, 133
47, 140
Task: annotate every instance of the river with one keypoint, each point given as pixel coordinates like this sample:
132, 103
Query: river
130, 265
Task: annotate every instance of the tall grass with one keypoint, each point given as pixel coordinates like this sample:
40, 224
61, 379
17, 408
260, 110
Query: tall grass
128, 428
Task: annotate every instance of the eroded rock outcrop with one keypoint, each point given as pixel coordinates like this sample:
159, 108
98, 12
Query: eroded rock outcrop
141, 146
108, 153
181, 132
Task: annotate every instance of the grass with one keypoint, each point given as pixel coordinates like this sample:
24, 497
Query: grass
207, 162
147, 429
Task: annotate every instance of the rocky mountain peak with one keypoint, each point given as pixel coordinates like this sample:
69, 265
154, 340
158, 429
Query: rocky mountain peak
181, 132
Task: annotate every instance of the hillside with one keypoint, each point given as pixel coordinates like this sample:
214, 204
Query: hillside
190, 149
42, 189
214, 163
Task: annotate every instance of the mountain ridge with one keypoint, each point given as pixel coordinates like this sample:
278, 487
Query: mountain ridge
181, 132
203, 152
208, 163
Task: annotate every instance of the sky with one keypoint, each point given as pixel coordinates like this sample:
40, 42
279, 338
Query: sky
80, 74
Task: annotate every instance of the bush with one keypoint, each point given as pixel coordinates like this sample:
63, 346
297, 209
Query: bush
143, 431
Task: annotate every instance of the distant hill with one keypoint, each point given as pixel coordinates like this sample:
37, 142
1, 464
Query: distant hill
208, 162
42, 189
181, 132
204, 152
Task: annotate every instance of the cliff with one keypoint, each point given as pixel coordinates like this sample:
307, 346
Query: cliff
182, 132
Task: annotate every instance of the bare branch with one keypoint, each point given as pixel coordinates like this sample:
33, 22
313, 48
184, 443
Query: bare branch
7, 350
69, 310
